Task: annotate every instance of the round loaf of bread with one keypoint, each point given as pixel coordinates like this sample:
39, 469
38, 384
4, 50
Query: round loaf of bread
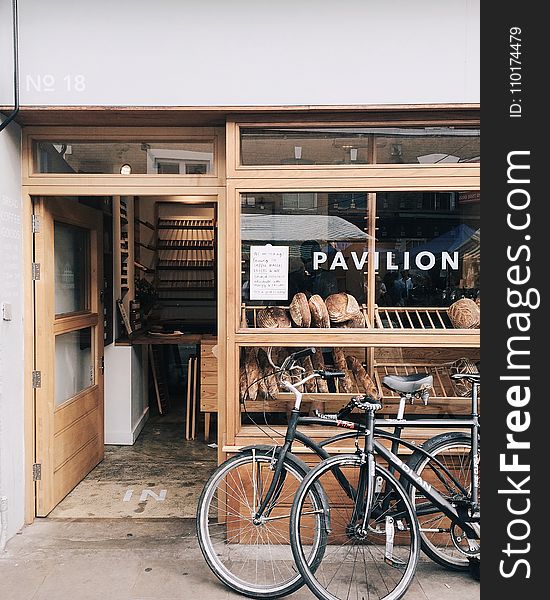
464, 314
358, 321
319, 312
299, 310
342, 307
273, 317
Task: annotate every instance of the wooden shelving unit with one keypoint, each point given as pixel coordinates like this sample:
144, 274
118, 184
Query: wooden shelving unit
123, 246
185, 260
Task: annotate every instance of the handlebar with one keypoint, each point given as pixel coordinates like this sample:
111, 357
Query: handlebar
331, 374
302, 353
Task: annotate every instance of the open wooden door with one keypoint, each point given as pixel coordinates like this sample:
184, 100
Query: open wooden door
68, 347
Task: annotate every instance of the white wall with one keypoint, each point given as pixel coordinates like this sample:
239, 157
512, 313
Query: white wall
126, 401
245, 52
11, 332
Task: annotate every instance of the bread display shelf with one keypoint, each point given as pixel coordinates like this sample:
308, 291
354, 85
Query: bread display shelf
422, 318
412, 317
249, 315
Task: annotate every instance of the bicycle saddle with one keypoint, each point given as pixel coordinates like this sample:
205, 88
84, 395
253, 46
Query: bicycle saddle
408, 384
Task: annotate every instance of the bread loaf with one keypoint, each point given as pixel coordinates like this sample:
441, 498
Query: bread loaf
299, 310
243, 382
319, 312
464, 314
358, 321
365, 383
319, 365
310, 386
345, 384
269, 374
252, 372
273, 317
342, 307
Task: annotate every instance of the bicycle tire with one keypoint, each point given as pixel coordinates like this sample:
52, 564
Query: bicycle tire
437, 546
237, 551
387, 569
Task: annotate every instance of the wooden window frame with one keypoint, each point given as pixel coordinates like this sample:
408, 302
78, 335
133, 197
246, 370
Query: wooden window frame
215, 135
320, 178
235, 168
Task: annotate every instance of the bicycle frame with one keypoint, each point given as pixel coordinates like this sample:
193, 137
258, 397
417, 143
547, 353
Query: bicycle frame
394, 462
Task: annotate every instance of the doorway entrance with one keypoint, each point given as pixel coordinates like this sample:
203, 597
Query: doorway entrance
125, 317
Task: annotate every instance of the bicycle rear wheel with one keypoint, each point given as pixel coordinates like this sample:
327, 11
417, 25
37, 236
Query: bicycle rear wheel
454, 451
378, 563
254, 559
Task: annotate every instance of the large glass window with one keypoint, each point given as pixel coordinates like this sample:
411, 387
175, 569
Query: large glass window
300, 248
263, 397
428, 248
160, 158
308, 259
358, 145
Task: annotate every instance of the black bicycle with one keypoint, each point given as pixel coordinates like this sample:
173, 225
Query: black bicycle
245, 508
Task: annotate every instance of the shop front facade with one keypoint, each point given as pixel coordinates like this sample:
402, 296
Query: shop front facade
263, 210
354, 233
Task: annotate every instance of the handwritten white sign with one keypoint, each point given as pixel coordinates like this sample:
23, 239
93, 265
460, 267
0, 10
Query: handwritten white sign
269, 272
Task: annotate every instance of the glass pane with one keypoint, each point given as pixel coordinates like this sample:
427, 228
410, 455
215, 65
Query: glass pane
71, 250
428, 145
74, 369
358, 145
299, 245
264, 398
428, 248
170, 158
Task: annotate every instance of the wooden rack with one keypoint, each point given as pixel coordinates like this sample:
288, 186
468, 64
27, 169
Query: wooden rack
411, 317
249, 315
386, 317
185, 260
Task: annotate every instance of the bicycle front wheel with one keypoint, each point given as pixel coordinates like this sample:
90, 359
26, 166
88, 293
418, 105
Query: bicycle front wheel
375, 559
251, 556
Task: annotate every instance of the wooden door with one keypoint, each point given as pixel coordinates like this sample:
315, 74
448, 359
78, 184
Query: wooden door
68, 347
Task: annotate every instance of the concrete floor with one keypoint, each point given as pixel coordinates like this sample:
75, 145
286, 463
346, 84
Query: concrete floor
160, 476
141, 559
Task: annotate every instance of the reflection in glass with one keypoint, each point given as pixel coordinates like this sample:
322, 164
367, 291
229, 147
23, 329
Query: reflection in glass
164, 158
358, 145
74, 369
428, 246
71, 257
324, 233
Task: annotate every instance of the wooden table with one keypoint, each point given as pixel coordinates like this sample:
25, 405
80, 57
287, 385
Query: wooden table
145, 338
185, 339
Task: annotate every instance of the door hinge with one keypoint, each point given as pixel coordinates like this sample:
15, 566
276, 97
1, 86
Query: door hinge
37, 472
35, 224
35, 271
36, 379
102, 365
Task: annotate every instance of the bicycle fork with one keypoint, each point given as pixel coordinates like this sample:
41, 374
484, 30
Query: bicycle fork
365, 487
